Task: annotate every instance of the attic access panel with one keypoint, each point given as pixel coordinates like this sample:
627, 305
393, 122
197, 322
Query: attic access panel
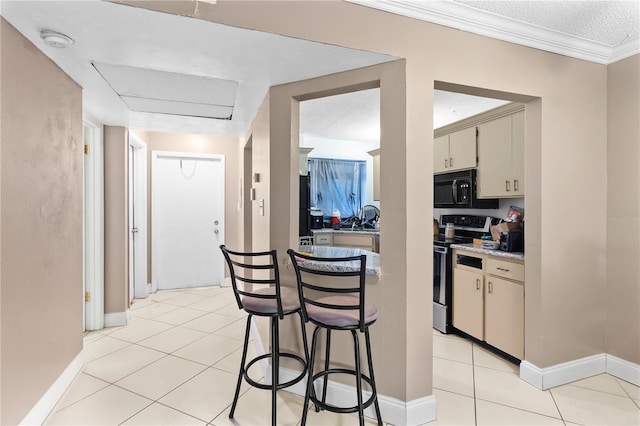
163, 92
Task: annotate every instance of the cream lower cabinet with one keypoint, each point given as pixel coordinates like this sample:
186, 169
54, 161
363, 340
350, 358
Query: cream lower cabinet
468, 304
488, 303
365, 241
504, 315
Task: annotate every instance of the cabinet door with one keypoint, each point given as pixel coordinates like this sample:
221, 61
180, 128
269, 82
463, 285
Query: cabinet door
441, 154
364, 241
504, 315
494, 159
323, 239
468, 302
462, 149
517, 153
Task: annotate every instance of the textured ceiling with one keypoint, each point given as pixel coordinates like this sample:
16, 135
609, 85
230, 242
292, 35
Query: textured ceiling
124, 36
356, 116
608, 22
258, 60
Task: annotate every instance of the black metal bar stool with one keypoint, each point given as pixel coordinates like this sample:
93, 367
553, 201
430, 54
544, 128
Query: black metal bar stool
261, 294
332, 294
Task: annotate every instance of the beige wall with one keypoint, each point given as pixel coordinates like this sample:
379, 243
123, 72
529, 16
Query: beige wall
203, 144
566, 168
623, 209
566, 269
116, 220
41, 223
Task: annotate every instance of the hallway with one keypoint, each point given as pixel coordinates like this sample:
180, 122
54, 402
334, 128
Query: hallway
176, 363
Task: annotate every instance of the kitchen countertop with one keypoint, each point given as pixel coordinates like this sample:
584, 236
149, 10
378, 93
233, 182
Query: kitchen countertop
373, 259
367, 231
497, 253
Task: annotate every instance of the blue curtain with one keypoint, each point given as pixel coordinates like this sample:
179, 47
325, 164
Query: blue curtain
337, 185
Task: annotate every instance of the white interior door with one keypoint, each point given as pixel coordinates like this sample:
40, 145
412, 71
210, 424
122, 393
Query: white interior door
138, 283
133, 230
187, 220
93, 227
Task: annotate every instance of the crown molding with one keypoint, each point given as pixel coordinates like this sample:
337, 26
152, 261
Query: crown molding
465, 18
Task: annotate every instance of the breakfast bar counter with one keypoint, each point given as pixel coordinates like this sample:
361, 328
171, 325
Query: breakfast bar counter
373, 259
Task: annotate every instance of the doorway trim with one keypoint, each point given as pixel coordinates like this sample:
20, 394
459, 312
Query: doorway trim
93, 262
138, 194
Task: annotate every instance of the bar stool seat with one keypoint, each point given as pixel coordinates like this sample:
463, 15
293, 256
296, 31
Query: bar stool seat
341, 318
343, 309
255, 279
289, 298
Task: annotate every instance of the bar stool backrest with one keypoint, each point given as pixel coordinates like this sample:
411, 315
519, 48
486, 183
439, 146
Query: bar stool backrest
254, 271
347, 276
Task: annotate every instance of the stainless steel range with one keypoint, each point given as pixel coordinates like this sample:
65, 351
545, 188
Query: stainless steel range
467, 227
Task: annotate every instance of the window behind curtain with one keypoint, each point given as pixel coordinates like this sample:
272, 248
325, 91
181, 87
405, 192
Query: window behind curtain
337, 185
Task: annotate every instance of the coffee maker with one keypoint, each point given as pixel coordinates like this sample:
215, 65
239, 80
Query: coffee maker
316, 217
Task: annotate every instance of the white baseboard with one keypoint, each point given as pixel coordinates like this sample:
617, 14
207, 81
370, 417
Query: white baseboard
41, 410
116, 319
393, 411
560, 374
623, 369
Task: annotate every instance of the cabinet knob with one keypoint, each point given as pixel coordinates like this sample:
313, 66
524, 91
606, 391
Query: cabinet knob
507, 185
450, 161
515, 184
477, 284
446, 163
490, 287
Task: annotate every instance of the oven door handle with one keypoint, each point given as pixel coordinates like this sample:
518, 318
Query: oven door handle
438, 249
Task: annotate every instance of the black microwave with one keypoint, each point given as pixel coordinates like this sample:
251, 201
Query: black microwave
458, 190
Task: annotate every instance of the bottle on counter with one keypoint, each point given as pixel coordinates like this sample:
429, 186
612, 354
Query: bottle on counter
335, 219
449, 232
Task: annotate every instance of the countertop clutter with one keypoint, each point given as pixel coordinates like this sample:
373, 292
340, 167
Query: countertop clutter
373, 259
497, 253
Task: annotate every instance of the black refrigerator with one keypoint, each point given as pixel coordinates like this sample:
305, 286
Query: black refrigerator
305, 201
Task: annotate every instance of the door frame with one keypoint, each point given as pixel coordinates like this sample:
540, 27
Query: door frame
154, 194
138, 195
93, 218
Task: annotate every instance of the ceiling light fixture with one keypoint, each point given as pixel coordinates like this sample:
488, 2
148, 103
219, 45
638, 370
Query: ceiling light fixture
55, 39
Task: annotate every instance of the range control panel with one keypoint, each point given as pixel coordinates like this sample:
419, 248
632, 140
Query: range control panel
469, 222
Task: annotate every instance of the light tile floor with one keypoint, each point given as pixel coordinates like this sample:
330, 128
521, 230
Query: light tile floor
176, 363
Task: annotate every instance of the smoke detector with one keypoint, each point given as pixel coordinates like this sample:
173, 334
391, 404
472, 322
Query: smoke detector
55, 39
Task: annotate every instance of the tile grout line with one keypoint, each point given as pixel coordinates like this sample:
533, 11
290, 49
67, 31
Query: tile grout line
473, 375
165, 354
553, 398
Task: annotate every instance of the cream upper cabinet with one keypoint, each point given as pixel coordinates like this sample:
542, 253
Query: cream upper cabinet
517, 153
455, 151
501, 157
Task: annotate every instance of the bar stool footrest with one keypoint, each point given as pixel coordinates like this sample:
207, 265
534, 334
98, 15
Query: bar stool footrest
343, 410
291, 382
